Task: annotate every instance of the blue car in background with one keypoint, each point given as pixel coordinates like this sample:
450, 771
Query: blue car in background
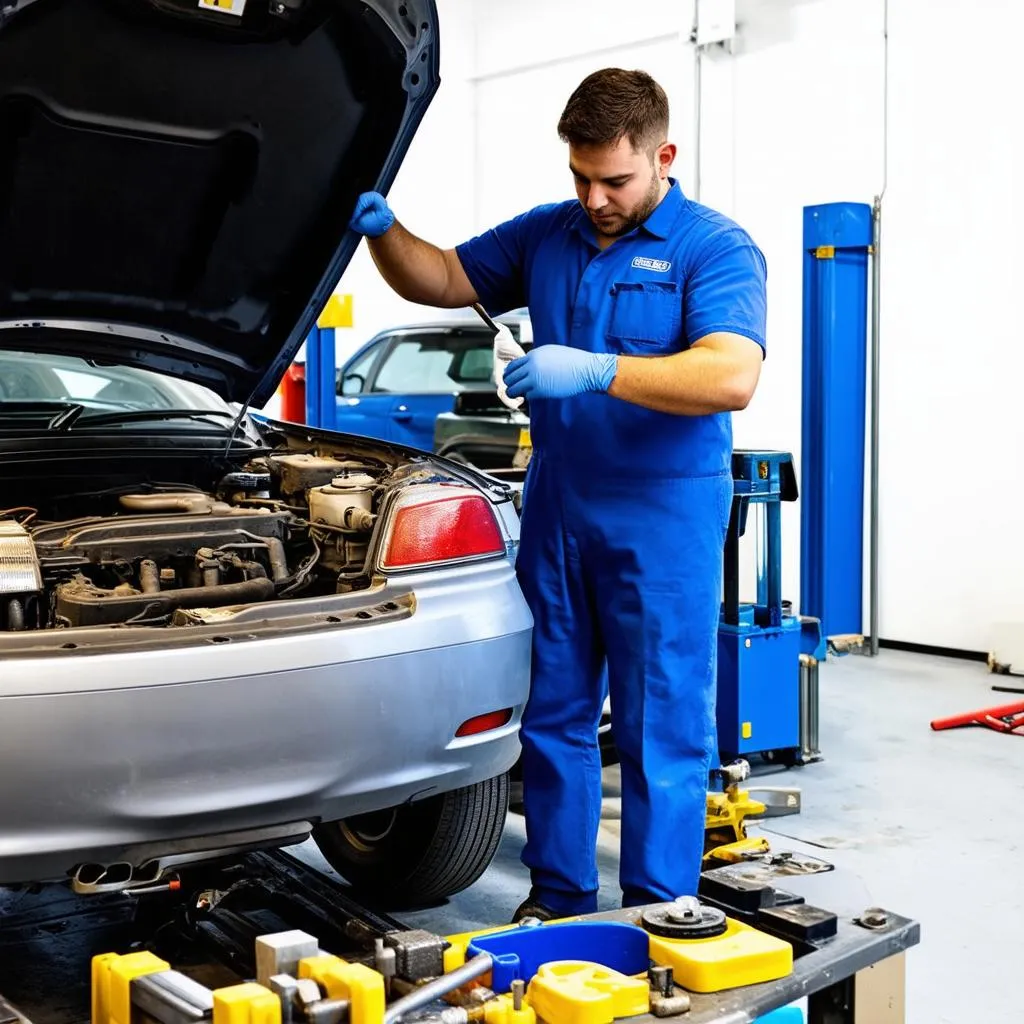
402, 379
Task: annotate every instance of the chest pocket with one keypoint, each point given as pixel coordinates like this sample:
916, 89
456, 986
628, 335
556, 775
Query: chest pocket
646, 316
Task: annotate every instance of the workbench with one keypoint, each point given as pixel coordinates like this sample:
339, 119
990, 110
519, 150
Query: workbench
855, 977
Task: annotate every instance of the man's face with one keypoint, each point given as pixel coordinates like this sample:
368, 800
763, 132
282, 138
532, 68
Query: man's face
617, 186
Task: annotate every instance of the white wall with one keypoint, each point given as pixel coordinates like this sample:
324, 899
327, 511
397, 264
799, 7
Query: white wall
953, 369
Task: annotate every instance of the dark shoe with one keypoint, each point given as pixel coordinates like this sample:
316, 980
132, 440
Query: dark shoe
531, 908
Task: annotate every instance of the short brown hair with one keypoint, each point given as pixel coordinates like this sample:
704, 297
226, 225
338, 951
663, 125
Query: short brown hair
612, 104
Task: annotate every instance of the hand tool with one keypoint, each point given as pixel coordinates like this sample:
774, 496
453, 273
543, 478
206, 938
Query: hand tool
506, 348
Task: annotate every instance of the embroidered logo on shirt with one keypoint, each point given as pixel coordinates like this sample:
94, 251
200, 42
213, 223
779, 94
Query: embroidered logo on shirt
646, 263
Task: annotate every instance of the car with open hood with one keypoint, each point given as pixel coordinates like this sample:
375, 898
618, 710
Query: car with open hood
219, 633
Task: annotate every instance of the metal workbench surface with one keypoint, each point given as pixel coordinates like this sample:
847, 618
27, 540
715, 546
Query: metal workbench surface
46, 940
854, 948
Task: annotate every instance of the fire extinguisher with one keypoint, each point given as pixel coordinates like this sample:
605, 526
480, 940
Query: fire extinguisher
293, 394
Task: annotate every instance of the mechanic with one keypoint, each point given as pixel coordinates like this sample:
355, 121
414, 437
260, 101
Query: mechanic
648, 311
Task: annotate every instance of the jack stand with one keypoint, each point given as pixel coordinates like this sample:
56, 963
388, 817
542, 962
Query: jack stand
725, 831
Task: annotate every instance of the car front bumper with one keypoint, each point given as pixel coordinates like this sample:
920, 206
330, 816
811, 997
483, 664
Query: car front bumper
132, 755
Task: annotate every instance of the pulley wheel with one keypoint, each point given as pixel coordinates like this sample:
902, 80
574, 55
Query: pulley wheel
679, 920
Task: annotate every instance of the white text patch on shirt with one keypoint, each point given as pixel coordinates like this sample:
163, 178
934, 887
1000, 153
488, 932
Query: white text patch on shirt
646, 263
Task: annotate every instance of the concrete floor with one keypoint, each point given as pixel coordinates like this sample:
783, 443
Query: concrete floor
932, 825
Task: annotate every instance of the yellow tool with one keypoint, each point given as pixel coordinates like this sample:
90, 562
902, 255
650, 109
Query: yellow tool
360, 985
734, 853
577, 992
725, 817
246, 1004
112, 984
509, 1008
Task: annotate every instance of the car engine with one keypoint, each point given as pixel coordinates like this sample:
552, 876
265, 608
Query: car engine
284, 525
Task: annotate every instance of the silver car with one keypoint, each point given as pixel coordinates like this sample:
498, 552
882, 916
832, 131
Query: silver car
218, 633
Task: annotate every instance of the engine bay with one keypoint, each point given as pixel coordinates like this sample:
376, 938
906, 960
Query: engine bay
283, 525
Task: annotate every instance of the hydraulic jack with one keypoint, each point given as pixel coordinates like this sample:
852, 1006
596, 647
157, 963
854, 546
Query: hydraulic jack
725, 822
767, 656
1005, 718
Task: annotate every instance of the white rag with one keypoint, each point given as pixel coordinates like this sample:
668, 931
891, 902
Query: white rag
506, 348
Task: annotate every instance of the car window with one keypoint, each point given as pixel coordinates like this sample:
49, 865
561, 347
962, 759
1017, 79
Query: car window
358, 373
476, 364
36, 377
436, 363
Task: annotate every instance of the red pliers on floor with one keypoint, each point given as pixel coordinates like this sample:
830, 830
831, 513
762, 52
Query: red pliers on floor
1005, 718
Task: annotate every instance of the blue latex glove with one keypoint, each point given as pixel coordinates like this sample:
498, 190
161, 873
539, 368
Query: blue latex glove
558, 371
372, 215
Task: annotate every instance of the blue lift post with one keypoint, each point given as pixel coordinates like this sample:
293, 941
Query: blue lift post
321, 363
837, 246
321, 395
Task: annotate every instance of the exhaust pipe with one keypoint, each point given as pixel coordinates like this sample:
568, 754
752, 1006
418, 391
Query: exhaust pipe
91, 879
126, 876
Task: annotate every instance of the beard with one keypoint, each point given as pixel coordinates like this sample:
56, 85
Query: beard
625, 223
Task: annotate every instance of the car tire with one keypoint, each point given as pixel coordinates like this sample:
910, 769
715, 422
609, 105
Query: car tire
421, 852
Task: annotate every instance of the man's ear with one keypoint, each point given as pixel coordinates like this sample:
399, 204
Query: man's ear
664, 156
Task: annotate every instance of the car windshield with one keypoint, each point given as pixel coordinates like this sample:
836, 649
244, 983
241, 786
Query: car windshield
33, 379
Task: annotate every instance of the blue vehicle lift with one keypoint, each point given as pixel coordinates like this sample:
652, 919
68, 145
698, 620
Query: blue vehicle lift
837, 246
321, 363
767, 656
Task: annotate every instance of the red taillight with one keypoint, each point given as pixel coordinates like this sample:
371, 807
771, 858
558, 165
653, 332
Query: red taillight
441, 529
484, 723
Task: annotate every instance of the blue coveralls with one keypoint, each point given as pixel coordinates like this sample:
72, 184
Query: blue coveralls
624, 519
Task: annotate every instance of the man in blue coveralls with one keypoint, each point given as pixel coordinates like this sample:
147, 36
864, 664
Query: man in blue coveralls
648, 311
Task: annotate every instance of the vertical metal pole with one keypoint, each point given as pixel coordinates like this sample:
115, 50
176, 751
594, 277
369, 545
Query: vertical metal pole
837, 240
731, 570
876, 279
321, 399
773, 543
809, 709
327, 397
313, 374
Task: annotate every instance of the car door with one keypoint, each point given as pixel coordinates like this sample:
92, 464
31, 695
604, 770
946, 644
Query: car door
359, 410
422, 371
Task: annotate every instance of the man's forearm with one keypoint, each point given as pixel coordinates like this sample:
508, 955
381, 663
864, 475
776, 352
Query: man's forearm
415, 269
696, 382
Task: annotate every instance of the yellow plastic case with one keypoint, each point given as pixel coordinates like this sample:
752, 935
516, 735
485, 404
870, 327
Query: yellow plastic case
741, 956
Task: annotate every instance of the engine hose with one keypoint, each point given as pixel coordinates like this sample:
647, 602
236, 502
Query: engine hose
86, 607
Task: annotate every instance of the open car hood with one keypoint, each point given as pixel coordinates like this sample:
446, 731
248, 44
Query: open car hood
177, 176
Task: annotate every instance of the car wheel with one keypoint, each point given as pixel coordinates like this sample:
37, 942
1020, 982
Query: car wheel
421, 852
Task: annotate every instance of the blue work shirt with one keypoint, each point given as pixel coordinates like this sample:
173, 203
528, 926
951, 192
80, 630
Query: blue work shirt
686, 272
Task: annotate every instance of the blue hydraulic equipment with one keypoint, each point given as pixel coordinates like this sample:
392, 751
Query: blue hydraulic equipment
767, 656
837, 245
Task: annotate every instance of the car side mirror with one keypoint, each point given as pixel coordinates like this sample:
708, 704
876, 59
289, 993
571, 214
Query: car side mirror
352, 384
